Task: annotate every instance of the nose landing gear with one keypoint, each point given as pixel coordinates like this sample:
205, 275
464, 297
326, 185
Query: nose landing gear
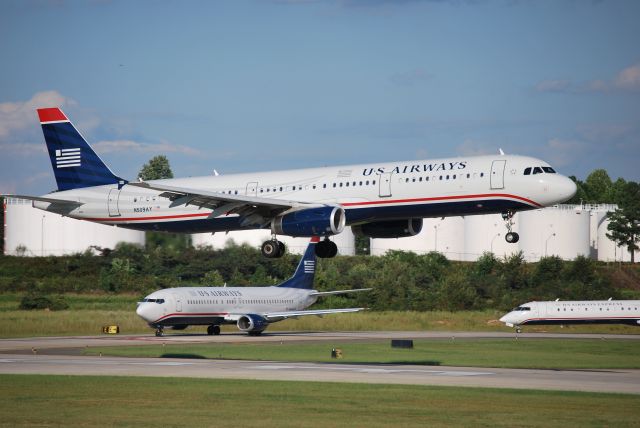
510, 237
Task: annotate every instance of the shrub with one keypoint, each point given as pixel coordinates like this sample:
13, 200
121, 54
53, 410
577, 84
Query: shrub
32, 301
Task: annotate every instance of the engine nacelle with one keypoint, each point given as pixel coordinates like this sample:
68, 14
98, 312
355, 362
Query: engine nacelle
305, 223
389, 229
252, 323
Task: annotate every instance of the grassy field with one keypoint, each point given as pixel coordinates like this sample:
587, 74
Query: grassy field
27, 400
88, 313
508, 353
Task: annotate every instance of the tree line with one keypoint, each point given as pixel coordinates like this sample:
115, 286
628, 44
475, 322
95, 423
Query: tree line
400, 280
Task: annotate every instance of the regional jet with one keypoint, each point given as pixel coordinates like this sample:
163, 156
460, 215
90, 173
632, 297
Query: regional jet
252, 309
379, 200
574, 312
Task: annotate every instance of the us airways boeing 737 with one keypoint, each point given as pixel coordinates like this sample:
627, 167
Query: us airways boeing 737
574, 312
387, 200
252, 309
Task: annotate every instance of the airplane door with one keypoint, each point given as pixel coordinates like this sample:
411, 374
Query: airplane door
113, 198
252, 189
178, 304
497, 174
385, 185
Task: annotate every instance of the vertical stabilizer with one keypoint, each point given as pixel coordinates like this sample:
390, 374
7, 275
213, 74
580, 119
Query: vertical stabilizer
75, 164
306, 270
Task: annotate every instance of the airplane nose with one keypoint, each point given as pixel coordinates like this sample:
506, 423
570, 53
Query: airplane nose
567, 188
142, 313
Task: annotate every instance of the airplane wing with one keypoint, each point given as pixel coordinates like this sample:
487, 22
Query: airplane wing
61, 202
224, 204
277, 316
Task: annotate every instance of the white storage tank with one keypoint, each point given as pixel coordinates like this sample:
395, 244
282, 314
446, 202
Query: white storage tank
445, 236
555, 231
33, 232
608, 250
485, 233
254, 238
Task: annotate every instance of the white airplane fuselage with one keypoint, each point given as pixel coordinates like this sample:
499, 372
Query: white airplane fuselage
367, 193
219, 305
575, 312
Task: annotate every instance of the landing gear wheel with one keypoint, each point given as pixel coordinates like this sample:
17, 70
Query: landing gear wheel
255, 333
518, 330
273, 249
213, 330
512, 237
159, 332
326, 249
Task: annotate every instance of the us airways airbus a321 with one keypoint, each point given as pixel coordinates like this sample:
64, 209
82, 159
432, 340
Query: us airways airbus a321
387, 200
252, 309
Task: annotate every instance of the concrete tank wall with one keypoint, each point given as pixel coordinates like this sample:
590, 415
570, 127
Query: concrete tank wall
608, 250
445, 236
485, 233
33, 232
254, 238
556, 231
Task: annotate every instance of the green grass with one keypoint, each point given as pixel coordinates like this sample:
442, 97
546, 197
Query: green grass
88, 313
508, 353
28, 400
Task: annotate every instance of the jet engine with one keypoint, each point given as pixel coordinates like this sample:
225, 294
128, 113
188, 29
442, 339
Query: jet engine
389, 229
308, 222
252, 323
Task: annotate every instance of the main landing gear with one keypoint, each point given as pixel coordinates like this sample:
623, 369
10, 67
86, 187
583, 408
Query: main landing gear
326, 249
273, 248
160, 331
213, 330
510, 237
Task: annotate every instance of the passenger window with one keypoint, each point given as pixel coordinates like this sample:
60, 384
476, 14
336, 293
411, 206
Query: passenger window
537, 170
527, 171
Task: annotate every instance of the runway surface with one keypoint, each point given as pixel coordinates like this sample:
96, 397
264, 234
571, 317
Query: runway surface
61, 356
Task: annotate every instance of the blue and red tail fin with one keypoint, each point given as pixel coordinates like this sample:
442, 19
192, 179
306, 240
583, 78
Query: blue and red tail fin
75, 164
306, 270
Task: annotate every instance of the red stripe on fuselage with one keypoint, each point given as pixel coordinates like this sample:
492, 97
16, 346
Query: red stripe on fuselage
346, 204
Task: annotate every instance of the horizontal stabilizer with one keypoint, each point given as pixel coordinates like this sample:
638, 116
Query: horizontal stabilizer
49, 200
295, 314
331, 293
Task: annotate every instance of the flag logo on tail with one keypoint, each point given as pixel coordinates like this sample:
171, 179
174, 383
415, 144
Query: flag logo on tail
66, 158
309, 266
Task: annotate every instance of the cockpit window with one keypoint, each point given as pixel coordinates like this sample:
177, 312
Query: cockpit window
548, 170
522, 308
527, 171
537, 170
158, 301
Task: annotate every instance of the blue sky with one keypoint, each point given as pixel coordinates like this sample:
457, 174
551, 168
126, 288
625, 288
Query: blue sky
245, 86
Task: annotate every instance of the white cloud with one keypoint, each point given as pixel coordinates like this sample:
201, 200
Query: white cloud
22, 149
130, 145
411, 78
629, 78
19, 115
553, 85
474, 148
562, 152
